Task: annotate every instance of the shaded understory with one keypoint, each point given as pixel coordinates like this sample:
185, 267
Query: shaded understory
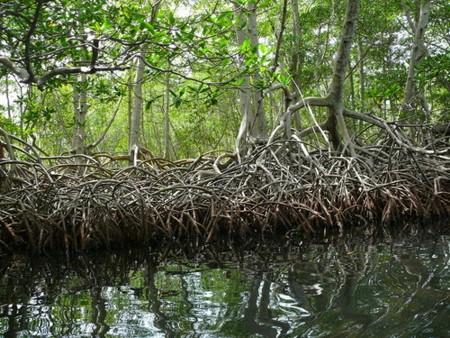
79, 202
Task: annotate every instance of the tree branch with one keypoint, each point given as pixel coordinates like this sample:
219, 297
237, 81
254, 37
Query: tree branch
164, 71
343, 53
95, 52
365, 118
27, 41
310, 101
10, 66
103, 135
280, 37
76, 70
25, 77
277, 86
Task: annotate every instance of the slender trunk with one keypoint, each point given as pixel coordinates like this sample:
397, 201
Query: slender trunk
384, 65
417, 53
8, 102
22, 109
352, 85
296, 59
336, 123
137, 103
143, 141
98, 313
166, 130
244, 90
253, 123
362, 76
258, 121
130, 102
426, 107
80, 111
296, 56
136, 112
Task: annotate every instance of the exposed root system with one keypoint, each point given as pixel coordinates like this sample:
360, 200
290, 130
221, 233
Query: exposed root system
80, 202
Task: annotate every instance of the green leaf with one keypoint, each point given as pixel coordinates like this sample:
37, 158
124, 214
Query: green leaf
245, 47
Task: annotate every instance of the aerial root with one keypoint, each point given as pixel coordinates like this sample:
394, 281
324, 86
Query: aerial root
68, 204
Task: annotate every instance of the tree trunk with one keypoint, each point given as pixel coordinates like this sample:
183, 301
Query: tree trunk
362, 76
253, 123
22, 108
258, 121
417, 53
244, 90
296, 56
352, 86
296, 59
130, 102
336, 123
136, 112
8, 102
166, 130
80, 108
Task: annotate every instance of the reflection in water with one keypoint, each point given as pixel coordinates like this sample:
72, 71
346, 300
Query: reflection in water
351, 288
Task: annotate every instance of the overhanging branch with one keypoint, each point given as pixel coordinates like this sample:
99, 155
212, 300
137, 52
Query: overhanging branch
76, 70
25, 77
11, 67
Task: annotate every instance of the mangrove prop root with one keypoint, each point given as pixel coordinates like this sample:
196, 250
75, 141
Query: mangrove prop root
73, 203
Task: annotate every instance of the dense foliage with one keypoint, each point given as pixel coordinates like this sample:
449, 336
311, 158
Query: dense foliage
199, 60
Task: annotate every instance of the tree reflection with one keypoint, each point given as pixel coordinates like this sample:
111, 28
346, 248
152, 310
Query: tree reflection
155, 304
347, 288
99, 312
16, 320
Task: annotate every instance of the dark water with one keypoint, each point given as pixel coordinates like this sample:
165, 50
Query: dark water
351, 287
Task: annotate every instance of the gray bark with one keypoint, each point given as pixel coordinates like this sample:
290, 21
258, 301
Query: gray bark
244, 90
335, 123
8, 102
130, 101
166, 130
352, 85
80, 108
25, 77
258, 126
296, 56
417, 53
296, 60
362, 76
136, 112
137, 103
253, 123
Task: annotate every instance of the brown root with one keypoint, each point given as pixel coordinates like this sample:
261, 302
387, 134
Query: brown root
80, 202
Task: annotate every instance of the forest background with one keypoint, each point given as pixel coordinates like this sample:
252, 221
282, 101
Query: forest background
176, 79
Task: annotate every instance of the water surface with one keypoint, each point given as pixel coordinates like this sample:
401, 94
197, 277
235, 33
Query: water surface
349, 287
